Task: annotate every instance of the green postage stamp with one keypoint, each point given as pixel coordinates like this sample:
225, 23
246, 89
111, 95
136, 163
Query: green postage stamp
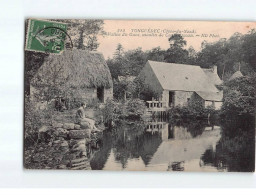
46, 36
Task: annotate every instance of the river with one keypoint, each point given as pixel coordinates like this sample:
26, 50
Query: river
168, 146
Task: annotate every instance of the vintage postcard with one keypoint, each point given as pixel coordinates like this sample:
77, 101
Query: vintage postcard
138, 95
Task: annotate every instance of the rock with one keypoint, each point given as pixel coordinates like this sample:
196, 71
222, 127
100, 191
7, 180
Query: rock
75, 154
57, 125
41, 149
77, 127
64, 149
79, 134
62, 166
88, 133
84, 166
96, 131
81, 141
80, 147
61, 138
64, 144
84, 125
69, 126
60, 132
72, 142
78, 164
78, 160
83, 154
44, 129
56, 141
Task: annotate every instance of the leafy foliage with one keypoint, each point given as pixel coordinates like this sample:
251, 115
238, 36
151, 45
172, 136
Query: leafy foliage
239, 96
35, 119
114, 111
194, 110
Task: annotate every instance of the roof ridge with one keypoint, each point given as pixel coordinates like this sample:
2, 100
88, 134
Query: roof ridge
175, 63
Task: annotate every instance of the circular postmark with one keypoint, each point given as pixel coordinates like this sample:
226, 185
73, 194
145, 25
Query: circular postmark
54, 39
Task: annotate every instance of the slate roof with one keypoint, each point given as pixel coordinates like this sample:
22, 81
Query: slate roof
175, 77
211, 96
213, 77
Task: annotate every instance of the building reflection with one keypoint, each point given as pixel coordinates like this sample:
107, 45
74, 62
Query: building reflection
155, 145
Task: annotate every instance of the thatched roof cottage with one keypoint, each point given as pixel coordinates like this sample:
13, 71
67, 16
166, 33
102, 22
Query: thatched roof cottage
75, 73
176, 83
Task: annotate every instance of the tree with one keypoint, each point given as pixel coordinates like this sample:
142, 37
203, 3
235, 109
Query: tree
239, 96
126, 63
120, 89
33, 61
84, 32
156, 54
230, 55
192, 55
116, 63
119, 52
249, 49
176, 40
176, 53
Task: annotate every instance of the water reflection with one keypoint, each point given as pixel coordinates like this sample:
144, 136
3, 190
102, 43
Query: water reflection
235, 150
163, 146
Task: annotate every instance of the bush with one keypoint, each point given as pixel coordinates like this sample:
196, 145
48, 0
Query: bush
239, 96
194, 110
93, 103
34, 119
114, 111
135, 107
111, 111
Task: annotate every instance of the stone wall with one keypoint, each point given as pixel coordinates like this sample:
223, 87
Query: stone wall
108, 94
63, 146
181, 98
196, 98
85, 93
88, 93
165, 97
150, 80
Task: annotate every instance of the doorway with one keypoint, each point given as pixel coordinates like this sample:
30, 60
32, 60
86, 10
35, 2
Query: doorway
171, 98
100, 94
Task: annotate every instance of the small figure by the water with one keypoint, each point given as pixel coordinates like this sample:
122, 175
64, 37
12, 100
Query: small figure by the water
81, 117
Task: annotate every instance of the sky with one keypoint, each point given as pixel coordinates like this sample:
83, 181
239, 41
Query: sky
149, 34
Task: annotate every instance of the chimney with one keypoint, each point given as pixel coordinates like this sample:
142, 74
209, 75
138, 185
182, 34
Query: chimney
215, 69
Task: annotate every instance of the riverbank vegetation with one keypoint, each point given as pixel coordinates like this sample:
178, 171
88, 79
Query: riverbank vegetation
194, 110
239, 97
114, 110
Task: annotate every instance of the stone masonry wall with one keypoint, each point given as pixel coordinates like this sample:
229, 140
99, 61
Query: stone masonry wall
108, 94
64, 146
181, 97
